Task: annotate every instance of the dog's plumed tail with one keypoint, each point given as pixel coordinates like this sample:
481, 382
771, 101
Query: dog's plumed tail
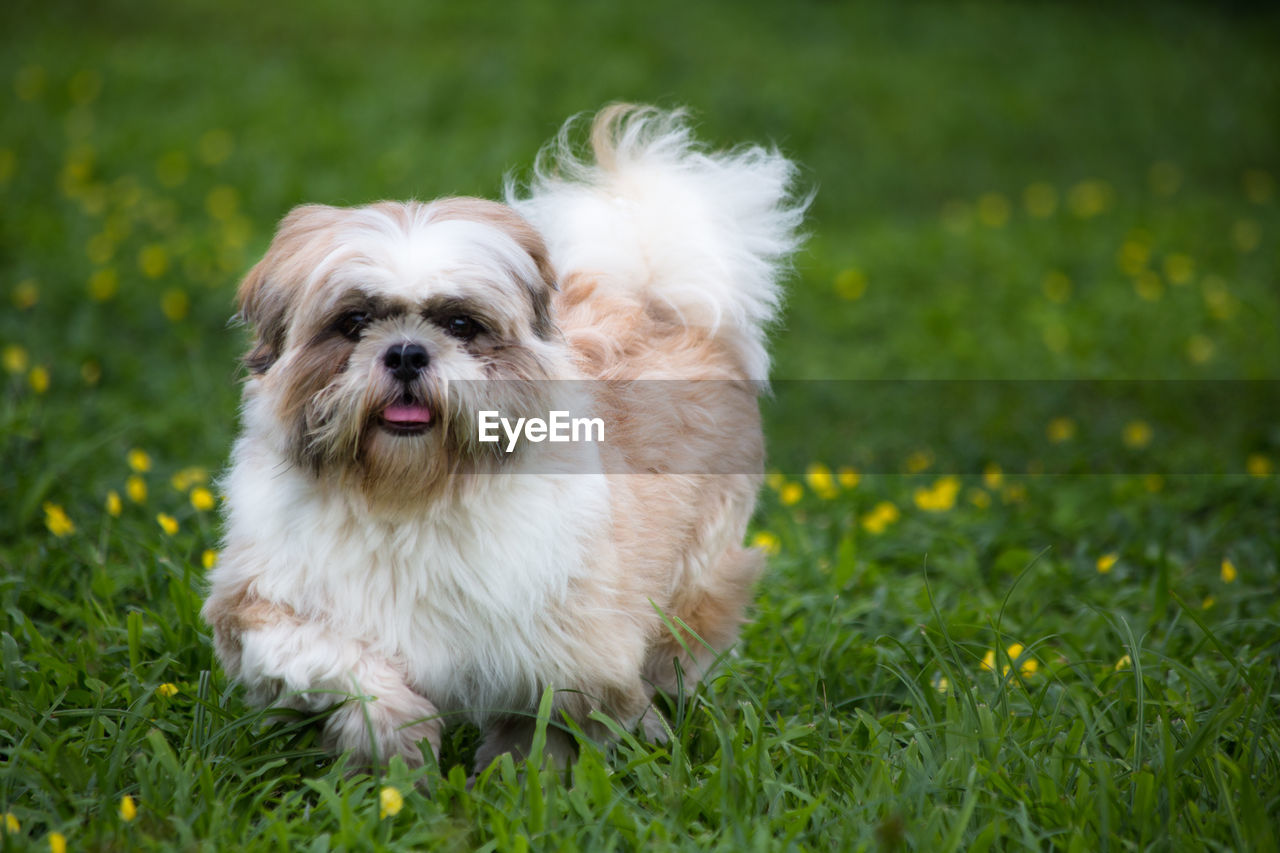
705, 234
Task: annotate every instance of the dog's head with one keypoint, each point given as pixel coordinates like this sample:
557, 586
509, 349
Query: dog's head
380, 331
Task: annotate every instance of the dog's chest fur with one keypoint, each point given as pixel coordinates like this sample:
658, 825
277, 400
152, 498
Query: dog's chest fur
470, 596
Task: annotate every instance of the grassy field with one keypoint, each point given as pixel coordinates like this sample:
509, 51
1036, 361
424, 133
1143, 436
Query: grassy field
952, 650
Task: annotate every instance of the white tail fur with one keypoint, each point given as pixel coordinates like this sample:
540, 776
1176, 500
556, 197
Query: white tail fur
706, 233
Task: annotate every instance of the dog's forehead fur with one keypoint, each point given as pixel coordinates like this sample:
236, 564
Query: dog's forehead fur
461, 247
406, 251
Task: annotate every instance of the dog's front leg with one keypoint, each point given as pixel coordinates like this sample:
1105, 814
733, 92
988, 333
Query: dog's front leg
286, 661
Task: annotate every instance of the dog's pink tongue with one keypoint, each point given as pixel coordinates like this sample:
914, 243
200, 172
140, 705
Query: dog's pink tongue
407, 413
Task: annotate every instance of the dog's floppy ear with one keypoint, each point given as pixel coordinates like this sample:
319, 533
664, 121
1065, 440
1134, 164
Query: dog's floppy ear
528, 238
268, 292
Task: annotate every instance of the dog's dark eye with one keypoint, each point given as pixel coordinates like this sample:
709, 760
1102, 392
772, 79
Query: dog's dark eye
352, 324
462, 326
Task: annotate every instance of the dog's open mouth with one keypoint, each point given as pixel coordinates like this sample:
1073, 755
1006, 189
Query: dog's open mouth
406, 417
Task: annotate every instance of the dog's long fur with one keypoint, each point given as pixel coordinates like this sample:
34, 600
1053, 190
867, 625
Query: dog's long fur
426, 576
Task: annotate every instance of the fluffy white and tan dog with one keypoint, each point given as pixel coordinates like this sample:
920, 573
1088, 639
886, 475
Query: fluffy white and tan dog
380, 558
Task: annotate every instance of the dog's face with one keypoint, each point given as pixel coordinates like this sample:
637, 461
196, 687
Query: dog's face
381, 331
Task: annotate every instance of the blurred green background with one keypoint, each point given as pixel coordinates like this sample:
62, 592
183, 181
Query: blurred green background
1003, 190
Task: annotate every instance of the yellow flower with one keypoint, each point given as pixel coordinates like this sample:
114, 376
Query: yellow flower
175, 304
139, 460
103, 284
153, 260
939, 497
216, 146
1200, 349
851, 284
1133, 256
114, 505
1179, 268
1246, 234
57, 842
1207, 603
1026, 667
39, 378
1125, 662
128, 809
11, 825
76, 171
202, 499
1107, 562
188, 477
919, 461
1258, 186
236, 233
790, 494
1148, 286
942, 685
992, 476
167, 690
1060, 430
1056, 287
167, 523
881, 516
1258, 465
1228, 571
15, 359
389, 802
819, 478
26, 294
1137, 434
1218, 299
979, 498
136, 488
767, 542
56, 519
848, 478
993, 210
208, 558
222, 202
1088, 199
775, 480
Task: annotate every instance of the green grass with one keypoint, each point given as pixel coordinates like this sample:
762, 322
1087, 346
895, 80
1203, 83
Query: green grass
155, 145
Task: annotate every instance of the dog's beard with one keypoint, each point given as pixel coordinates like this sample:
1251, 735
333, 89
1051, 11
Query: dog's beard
341, 429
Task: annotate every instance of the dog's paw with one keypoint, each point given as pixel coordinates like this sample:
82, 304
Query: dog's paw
373, 729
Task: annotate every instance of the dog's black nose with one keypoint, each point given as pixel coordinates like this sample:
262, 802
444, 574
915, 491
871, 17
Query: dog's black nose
406, 361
